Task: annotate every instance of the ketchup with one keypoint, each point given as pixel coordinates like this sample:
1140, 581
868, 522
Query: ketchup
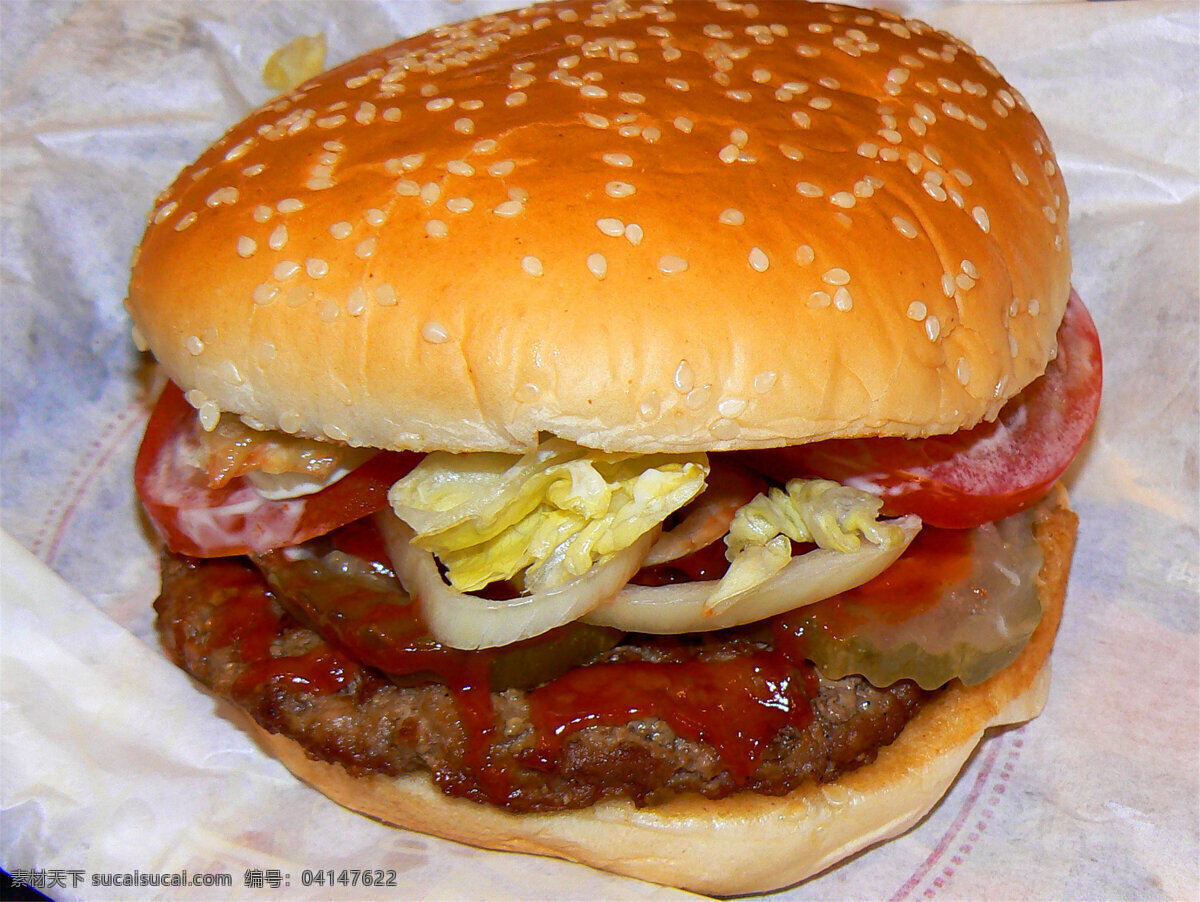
736, 705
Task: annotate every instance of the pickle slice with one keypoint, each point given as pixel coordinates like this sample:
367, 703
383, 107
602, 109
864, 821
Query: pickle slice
345, 599
959, 604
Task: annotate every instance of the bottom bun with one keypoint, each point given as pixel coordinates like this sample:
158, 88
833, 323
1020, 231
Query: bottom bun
747, 842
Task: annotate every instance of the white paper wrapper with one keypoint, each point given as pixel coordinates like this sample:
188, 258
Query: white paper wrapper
113, 762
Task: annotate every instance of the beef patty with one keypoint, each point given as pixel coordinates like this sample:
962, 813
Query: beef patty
223, 623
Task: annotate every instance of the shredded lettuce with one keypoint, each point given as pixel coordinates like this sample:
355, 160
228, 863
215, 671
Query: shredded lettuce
543, 518
828, 514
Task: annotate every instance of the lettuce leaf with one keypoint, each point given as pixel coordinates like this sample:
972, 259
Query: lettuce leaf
825, 513
543, 518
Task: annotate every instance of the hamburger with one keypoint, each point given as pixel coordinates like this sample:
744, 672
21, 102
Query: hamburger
628, 432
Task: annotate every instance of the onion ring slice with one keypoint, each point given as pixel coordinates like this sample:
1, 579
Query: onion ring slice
468, 622
808, 578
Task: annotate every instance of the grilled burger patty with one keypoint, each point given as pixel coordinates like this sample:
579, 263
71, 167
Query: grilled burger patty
516, 748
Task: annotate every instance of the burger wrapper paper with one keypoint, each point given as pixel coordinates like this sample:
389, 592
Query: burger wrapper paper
119, 772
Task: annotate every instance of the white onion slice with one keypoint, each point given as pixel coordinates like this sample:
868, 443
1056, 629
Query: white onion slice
469, 622
809, 578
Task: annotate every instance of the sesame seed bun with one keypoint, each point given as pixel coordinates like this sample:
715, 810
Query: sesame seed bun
699, 227
717, 846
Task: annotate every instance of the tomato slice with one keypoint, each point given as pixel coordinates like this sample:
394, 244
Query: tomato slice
977, 475
199, 521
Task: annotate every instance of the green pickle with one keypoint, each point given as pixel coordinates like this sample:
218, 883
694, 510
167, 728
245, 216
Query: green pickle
373, 618
959, 604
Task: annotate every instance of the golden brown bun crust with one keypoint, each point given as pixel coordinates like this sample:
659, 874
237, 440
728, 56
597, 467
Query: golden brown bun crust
473, 235
745, 843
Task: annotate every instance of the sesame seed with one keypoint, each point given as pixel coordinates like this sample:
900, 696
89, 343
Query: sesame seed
194, 345
246, 246
290, 421
597, 265
516, 98
185, 222
933, 327
316, 267
593, 92
1050, 214
411, 161
210, 415
392, 114
731, 216
842, 199
430, 193
678, 84
669, 264
634, 234
904, 227
408, 188
1020, 173
460, 167
435, 228
595, 120
464, 126
509, 208
820, 103
356, 301
619, 189
728, 154
963, 281
698, 397
460, 204
385, 295
486, 146
801, 119
532, 265
278, 237
365, 248
684, 378
948, 284
614, 228
623, 160
438, 104
651, 134
289, 205
764, 382
501, 168
759, 262
165, 211
917, 311
285, 269
434, 332
969, 268
684, 124
264, 293
632, 97
1035, 307
836, 276
808, 189
963, 370
819, 299
805, 255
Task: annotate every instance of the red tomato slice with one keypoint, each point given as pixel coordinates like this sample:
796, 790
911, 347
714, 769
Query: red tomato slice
978, 475
202, 522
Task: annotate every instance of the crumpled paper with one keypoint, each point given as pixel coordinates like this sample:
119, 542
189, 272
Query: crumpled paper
115, 764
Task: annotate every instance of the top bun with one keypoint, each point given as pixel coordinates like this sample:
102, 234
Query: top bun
644, 226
